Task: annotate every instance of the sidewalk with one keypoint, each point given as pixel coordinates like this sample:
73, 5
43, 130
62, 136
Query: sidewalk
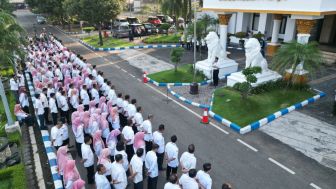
314, 138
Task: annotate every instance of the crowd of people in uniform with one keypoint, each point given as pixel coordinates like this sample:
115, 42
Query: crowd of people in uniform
111, 134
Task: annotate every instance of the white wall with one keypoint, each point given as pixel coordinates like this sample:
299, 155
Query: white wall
290, 30
285, 5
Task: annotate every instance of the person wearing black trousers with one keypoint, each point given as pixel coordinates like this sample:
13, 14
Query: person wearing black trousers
215, 72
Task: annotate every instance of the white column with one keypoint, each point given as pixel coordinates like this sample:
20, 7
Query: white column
275, 32
262, 22
223, 37
290, 30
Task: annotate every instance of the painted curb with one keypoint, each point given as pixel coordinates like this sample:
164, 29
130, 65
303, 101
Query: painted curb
131, 47
256, 125
162, 84
187, 101
47, 143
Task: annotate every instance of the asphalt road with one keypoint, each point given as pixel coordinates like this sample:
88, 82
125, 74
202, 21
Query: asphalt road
252, 161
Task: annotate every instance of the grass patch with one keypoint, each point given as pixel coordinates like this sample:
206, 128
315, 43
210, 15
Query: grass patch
229, 105
173, 38
108, 42
184, 74
13, 177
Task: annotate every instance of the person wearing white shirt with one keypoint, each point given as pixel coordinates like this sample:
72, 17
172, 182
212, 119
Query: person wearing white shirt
64, 108
49, 73
39, 111
119, 178
95, 94
159, 140
188, 181
44, 100
119, 103
123, 116
53, 108
65, 134
203, 176
14, 86
171, 152
59, 74
23, 98
152, 167
188, 159
94, 71
215, 72
172, 184
50, 90
136, 169
147, 128
138, 120
56, 135
85, 98
131, 109
79, 137
88, 159
100, 178
120, 149
128, 135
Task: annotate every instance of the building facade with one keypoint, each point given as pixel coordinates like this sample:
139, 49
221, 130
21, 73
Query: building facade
279, 20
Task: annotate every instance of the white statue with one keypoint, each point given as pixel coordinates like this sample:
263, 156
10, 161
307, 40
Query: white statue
254, 58
215, 49
253, 55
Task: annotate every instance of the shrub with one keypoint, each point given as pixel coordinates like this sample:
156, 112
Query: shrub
88, 29
16, 174
240, 35
279, 84
258, 36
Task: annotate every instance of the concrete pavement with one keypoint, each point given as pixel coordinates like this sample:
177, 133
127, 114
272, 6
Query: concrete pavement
252, 161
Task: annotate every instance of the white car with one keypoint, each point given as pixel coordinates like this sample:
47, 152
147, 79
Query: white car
41, 20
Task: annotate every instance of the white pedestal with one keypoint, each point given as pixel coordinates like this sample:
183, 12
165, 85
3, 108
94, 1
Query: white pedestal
13, 128
239, 77
227, 66
298, 71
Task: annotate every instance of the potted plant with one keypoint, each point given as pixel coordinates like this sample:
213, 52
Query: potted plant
259, 36
241, 36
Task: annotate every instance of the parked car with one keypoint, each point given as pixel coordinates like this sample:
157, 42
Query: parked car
150, 28
165, 19
41, 20
137, 29
154, 20
120, 21
121, 31
133, 20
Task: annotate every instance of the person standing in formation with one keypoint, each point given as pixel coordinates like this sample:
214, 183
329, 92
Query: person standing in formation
57, 135
100, 178
172, 157
88, 159
152, 167
147, 128
119, 178
159, 140
188, 159
136, 169
172, 184
203, 176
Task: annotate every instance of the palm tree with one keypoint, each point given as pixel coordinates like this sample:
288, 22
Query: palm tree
11, 41
292, 55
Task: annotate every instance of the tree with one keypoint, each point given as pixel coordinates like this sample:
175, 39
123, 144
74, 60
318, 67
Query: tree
71, 11
96, 12
11, 41
290, 55
6, 6
176, 55
244, 88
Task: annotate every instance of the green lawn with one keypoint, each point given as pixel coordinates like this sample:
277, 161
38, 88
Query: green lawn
184, 74
108, 42
171, 38
229, 105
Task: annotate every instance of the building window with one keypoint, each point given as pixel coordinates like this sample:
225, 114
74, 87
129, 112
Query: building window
255, 21
283, 24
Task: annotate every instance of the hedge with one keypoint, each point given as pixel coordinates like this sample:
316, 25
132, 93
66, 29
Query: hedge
16, 174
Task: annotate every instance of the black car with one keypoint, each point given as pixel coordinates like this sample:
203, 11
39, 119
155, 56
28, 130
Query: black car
150, 29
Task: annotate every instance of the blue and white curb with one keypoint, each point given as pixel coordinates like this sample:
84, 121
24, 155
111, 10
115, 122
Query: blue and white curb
162, 84
267, 119
47, 143
131, 47
187, 101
